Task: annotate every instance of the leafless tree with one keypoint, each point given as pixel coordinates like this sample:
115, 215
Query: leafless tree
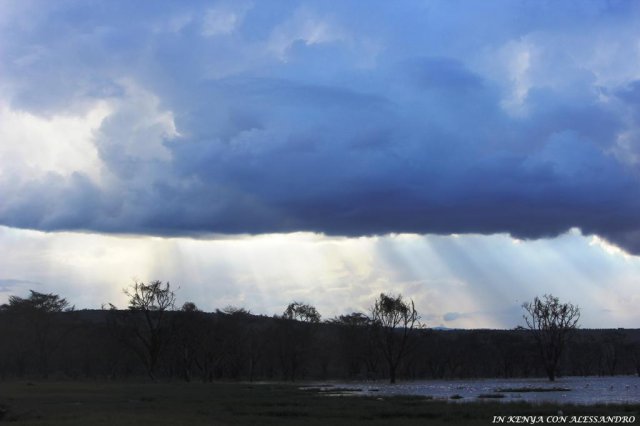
146, 323
394, 320
550, 322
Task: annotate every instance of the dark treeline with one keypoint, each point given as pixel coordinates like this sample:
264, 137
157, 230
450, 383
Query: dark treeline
43, 337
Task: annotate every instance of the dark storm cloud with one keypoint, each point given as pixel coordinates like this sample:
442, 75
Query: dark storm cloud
482, 119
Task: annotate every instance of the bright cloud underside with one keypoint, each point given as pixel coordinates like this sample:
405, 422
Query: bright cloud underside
465, 281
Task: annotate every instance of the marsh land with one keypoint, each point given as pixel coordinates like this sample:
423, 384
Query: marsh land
179, 403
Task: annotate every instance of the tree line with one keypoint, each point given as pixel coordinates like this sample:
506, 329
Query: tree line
44, 336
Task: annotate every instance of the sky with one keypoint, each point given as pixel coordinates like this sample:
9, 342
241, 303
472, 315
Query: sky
469, 155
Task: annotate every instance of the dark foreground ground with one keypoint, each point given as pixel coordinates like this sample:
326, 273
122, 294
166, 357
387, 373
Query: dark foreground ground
101, 403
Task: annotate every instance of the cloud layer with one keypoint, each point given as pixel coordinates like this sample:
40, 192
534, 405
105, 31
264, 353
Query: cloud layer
251, 117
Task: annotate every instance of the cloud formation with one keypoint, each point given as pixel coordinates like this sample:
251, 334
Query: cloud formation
238, 117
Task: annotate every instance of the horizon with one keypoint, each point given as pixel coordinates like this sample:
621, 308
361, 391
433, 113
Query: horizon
329, 320
469, 156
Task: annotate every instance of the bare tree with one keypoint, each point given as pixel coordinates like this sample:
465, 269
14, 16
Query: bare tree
394, 321
550, 322
146, 324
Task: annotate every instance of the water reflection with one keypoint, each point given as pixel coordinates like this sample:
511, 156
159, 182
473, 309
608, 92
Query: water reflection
570, 390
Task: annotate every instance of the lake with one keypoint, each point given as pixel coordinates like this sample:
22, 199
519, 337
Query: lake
573, 390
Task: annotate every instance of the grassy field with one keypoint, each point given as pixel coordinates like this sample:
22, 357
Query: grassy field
108, 403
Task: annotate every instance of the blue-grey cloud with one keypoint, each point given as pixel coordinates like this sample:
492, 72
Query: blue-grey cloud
10, 284
426, 117
452, 316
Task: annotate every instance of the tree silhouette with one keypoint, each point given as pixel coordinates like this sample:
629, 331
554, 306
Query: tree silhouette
37, 313
146, 326
356, 346
188, 332
301, 312
295, 332
393, 320
38, 302
550, 322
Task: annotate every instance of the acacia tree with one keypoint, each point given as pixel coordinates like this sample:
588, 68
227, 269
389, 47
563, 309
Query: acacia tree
40, 302
550, 323
146, 326
296, 328
301, 312
356, 345
187, 328
393, 320
37, 314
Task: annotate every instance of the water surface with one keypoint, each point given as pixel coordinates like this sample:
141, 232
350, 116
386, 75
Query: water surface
574, 390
